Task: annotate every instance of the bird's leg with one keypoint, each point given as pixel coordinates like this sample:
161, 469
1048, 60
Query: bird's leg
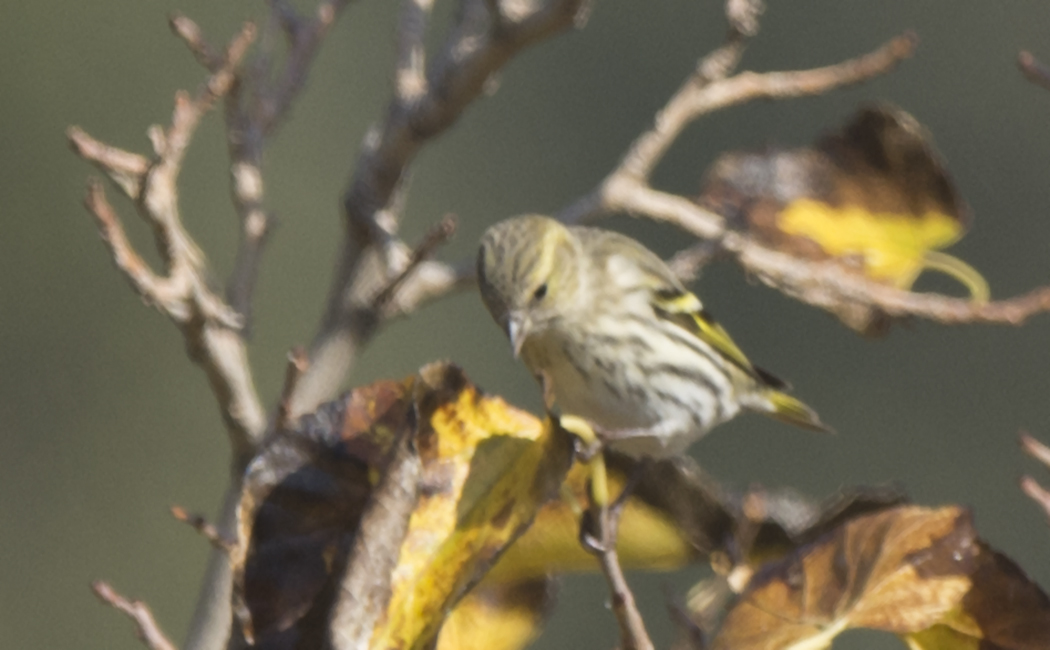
594, 531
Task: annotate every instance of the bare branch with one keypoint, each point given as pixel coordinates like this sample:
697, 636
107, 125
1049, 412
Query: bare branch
204, 527
188, 30
306, 39
829, 286
365, 586
124, 168
700, 96
437, 236
183, 293
633, 635
256, 105
145, 625
1033, 70
474, 52
1029, 485
410, 76
824, 284
298, 362
1036, 493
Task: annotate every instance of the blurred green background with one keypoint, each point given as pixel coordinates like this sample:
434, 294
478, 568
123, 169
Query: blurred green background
104, 423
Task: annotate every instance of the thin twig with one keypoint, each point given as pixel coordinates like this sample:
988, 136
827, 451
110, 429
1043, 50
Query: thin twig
298, 362
188, 30
824, 284
1029, 485
1033, 70
829, 286
698, 97
1036, 493
1035, 449
204, 527
438, 235
633, 635
145, 625
183, 293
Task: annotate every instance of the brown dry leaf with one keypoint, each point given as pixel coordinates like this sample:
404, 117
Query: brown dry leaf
901, 570
874, 195
1003, 610
301, 503
487, 468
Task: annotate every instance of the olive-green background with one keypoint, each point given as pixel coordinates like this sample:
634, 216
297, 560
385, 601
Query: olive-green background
104, 423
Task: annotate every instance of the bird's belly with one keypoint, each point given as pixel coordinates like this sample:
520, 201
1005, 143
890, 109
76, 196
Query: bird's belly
639, 408
595, 389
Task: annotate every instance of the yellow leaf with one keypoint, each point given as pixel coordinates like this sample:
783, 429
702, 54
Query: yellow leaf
649, 538
490, 467
497, 616
874, 195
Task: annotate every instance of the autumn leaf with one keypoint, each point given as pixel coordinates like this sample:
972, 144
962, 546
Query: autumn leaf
1002, 610
487, 468
492, 468
875, 196
916, 572
901, 570
499, 616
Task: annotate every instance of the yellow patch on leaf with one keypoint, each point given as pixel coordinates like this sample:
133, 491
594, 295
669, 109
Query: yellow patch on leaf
497, 616
873, 194
489, 469
649, 537
893, 248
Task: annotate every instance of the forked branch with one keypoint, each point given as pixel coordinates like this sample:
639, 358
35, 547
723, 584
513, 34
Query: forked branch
183, 291
427, 100
145, 625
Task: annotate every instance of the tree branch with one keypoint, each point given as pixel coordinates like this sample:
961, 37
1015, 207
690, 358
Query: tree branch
206, 529
183, 293
703, 94
145, 625
366, 583
372, 255
1033, 70
1029, 485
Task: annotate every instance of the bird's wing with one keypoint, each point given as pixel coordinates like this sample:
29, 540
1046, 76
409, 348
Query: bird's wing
685, 310
671, 300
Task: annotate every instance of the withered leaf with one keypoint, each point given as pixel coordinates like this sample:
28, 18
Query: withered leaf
302, 500
900, 570
874, 195
487, 468
1003, 610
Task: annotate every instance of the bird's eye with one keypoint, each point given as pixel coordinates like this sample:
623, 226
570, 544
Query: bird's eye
540, 292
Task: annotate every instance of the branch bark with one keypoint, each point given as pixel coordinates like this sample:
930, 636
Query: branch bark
478, 45
145, 625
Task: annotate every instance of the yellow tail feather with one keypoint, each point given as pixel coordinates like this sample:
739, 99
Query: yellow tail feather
788, 409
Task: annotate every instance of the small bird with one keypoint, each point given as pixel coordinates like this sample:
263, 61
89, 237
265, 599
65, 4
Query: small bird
617, 341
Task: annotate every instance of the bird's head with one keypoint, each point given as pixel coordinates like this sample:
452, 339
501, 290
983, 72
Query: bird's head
527, 273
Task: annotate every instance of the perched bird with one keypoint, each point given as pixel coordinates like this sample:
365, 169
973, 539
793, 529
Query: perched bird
617, 341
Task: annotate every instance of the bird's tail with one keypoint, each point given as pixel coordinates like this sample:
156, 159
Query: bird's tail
781, 406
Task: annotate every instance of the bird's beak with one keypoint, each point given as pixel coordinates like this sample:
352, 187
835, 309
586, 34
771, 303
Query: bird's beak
518, 331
